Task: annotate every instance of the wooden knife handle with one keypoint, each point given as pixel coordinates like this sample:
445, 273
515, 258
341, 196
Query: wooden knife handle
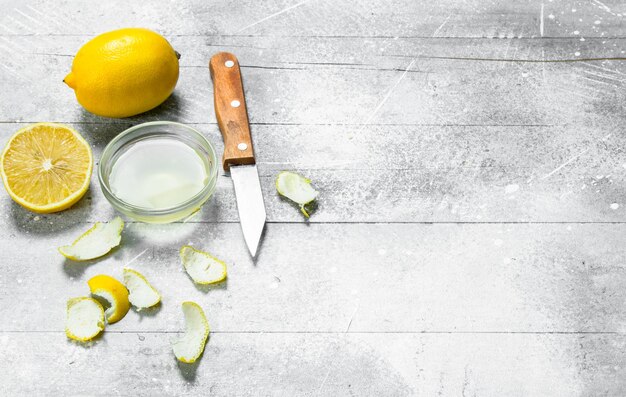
230, 109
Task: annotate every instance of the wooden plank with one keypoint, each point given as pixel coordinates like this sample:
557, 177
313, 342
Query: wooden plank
448, 18
407, 174
327, 364
374, 90
297, 53
364, 277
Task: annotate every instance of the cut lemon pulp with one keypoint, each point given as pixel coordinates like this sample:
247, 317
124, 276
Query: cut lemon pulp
46, 167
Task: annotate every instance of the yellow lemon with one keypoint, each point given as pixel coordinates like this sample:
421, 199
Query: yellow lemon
46, 167
124, 72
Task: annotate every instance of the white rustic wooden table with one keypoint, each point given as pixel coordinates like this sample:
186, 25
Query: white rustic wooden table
470, 238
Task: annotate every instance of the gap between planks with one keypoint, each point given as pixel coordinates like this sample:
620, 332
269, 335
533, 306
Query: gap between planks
617, 333
264, 36
131, 122
297, 222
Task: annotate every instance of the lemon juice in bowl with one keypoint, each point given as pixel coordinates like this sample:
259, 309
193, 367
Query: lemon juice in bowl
158, 172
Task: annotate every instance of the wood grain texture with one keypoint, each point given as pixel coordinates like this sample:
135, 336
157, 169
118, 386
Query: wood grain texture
295, 81
468, 238
447, 18
270, 364
365, 278
461, 174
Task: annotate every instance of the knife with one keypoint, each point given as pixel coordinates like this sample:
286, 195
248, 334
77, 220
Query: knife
232, 118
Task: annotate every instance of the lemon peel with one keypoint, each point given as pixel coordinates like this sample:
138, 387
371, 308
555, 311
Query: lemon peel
296, 188
85, 319
142, 294
95, 242
190, 346
202, 267
114, 293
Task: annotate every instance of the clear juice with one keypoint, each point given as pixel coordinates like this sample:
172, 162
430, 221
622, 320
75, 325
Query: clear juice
158, 173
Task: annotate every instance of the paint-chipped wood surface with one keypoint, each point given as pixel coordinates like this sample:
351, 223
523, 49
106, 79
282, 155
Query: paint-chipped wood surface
469, 236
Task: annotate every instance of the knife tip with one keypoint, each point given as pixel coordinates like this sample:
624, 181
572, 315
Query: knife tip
253, 249
254, 240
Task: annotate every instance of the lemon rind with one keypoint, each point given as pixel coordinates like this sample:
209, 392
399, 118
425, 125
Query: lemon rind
282, 193
86, 234
220, 262
69, 333
143, 278
207, 331
69, 200
118, 309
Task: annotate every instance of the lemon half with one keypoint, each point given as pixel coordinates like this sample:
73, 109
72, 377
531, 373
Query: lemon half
46, 167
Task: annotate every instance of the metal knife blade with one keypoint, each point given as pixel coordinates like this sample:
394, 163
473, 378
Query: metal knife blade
249, 204
238, 158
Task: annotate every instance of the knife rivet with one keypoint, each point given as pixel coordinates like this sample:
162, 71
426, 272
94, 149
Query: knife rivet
229, 64
235, 103
242, 146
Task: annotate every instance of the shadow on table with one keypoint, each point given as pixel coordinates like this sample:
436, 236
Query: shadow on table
171, 110
46, 224
162, 237
149, 311
310, 208
205, 288
100, 338
100, 130
77, 268
188, 371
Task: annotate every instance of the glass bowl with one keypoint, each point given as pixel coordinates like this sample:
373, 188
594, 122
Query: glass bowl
155, 133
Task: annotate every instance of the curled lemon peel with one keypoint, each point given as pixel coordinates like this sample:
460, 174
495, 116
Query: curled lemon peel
142, 294
114, 293
297, 189
85, 319
202, 267
189, 347
95, 242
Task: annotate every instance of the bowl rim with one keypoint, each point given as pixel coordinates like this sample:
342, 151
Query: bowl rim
131, 209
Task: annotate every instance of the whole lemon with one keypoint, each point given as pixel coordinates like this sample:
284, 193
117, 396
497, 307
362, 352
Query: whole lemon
124, 72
